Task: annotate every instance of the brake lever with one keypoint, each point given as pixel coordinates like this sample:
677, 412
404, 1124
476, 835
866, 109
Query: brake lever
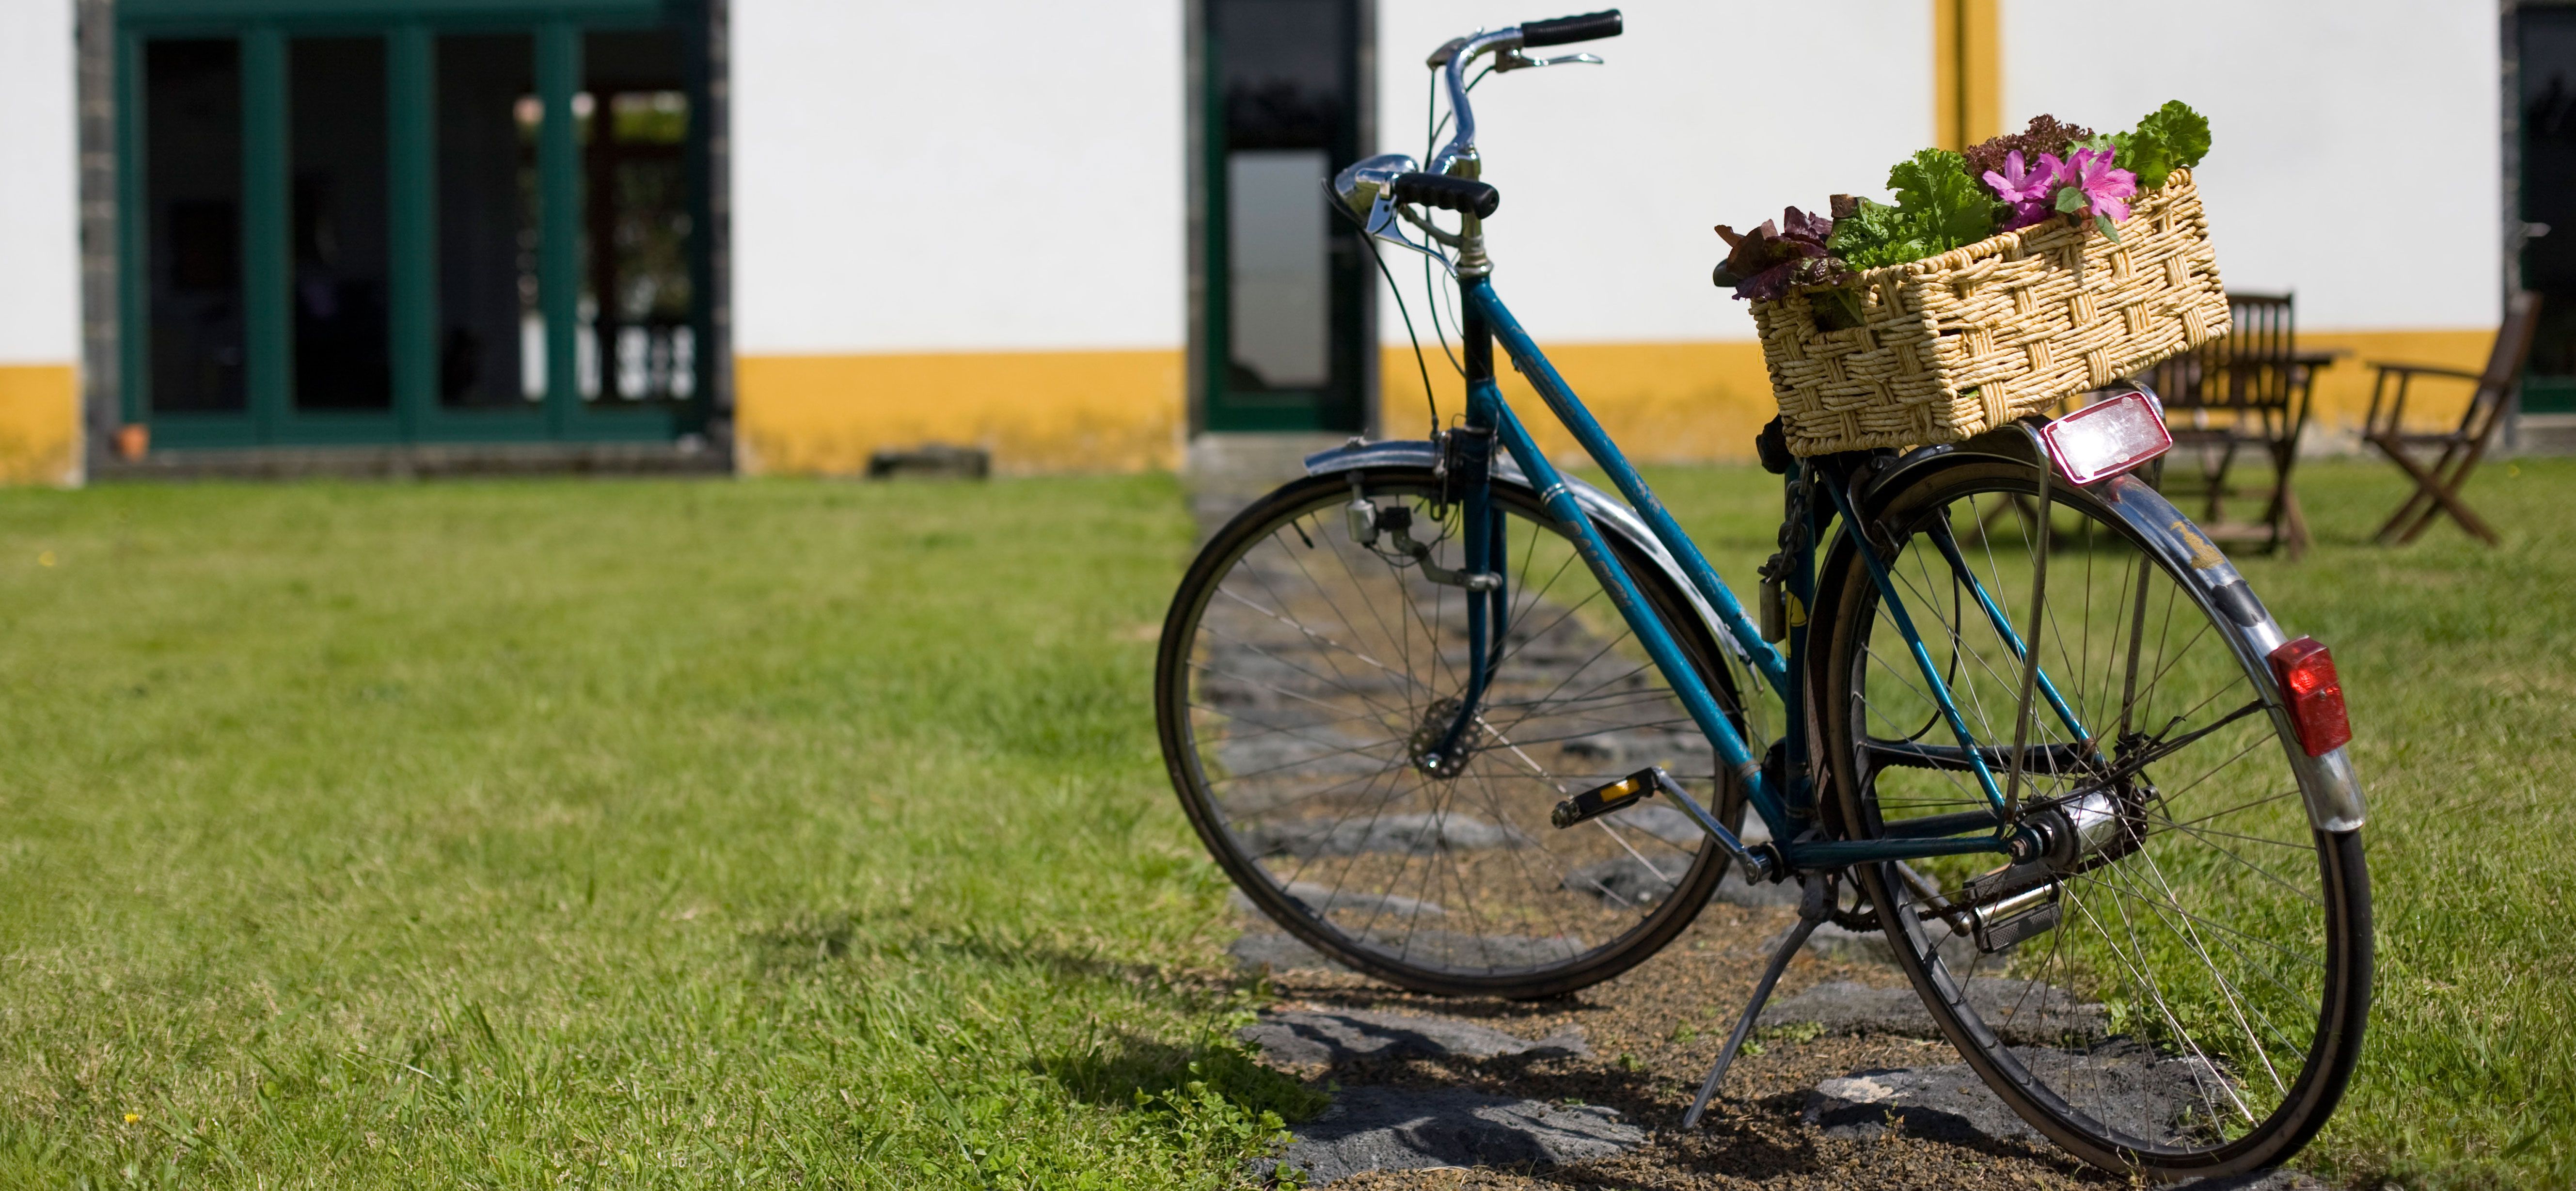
1516, 60
1382, 224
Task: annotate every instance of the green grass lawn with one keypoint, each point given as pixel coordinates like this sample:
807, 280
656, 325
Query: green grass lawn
781, 833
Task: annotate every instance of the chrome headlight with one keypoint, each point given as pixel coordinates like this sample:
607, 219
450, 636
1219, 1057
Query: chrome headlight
1360, 182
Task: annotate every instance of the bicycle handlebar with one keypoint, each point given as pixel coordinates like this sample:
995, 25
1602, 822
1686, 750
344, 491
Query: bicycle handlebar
1591, 26
1463, 195
1558, 31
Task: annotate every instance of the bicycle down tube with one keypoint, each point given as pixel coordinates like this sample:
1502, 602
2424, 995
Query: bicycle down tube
1485, 318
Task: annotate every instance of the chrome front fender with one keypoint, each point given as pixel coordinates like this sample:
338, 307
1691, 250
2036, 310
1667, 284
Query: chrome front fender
2327, 784
1607, 511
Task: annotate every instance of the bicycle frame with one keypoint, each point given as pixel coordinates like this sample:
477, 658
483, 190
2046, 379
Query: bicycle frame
1785, 797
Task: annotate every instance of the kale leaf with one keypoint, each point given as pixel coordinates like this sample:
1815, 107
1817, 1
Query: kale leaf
1771, 260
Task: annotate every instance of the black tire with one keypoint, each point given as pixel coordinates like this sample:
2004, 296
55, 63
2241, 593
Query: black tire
1531, 895
2192, 964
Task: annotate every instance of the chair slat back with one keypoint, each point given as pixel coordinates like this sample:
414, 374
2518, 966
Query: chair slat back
2247, 368
2254, 359
2512, 342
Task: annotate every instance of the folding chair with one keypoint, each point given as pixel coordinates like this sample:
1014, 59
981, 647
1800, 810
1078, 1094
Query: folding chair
2454, 454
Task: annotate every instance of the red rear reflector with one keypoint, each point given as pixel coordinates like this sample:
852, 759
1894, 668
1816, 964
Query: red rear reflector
2104, 439
2307, 675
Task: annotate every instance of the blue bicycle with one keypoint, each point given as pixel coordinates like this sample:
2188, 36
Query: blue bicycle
1476, 727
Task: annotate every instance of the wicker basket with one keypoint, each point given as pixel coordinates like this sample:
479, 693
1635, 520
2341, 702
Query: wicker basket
1956, 344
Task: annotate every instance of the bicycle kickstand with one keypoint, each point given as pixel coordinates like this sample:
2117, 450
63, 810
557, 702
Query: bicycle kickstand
1815, 904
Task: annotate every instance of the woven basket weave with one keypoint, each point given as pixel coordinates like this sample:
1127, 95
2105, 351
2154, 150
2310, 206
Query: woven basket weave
1959, 343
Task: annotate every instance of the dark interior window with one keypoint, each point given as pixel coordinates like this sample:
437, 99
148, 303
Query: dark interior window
491, 347
338, 224
636, 341
192, 198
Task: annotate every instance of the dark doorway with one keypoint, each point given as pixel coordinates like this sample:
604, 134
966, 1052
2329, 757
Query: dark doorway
2547, 38
1282, 322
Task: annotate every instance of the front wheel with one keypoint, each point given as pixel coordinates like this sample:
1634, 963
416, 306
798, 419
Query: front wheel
2180, 989
1306, 689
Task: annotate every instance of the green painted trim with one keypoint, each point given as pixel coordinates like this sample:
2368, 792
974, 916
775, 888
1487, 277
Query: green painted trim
559, 217
2549, 394
200, 11
411, 197
133, 273
268, 324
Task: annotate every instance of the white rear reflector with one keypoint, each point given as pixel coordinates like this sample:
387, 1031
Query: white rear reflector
2100, 441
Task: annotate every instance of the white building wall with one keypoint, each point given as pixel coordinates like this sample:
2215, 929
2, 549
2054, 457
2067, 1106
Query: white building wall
967, 175
2356, 144
39, 186
1614, 176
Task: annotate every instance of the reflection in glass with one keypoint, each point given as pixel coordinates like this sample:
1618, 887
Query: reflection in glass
192, 209
492, 349
1275, 243
635, 340
336, 148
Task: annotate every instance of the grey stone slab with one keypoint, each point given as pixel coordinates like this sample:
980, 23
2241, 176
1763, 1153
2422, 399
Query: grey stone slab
1370, 1129
1317, 1036
1279, 952
1324, 899
2122, 1084
2022, 1011
1625, 881
1410, 834
1471, 953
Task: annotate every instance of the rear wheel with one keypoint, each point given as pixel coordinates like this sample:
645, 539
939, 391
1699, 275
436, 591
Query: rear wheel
2181, 988
1304, 685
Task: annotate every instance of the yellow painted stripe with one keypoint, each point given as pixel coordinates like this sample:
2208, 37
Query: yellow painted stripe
1662, 402
2343, 389
1967, 72
40, 424
1035, 411
1122, 411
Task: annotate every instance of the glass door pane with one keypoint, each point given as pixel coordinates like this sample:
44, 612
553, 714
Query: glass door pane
637, 341
1275, 243
337, 223
491, 349
192, 184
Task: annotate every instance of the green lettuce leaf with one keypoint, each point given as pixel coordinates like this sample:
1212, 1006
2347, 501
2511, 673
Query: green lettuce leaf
2170, 138
1938, 207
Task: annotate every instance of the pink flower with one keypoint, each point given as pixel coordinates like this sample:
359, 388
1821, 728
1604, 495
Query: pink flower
2026, 189
2090, 172
2017, 183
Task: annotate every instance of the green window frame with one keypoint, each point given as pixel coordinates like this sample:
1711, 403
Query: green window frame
410, 29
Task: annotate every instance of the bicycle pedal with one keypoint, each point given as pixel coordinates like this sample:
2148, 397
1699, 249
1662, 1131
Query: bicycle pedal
1592, 804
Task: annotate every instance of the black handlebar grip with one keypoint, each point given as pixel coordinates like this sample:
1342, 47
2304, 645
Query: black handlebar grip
1591, 26
1465, 195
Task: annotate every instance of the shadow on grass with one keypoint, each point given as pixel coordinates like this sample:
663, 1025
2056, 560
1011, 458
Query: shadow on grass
1126, 1070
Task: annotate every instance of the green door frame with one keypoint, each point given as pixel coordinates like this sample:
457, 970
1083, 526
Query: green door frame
409, 29
1347, 402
